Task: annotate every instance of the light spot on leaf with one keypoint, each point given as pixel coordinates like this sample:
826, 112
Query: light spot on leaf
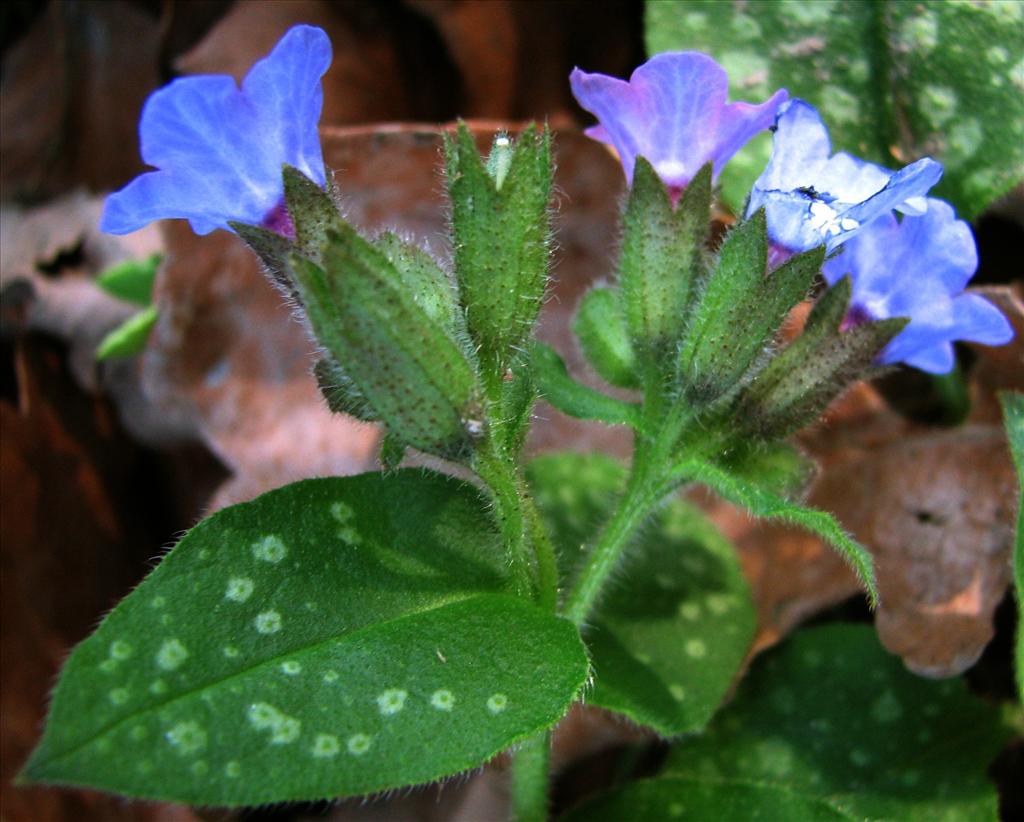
325, 746
287, 731
920, 32
108, 666
158, 602
233, 769
860, 758
230, 651
443, 699
696, 648
284, 729
158, 686
678, 691
358, 744
690, 611
187, 737
496, 703
391, 701
330, 676
291, 667
239, 589
119, 649
720, 603
263, 715
886, 708
172, 654
268, 622
965, 137
675, 810
118, 696
270, 549
343, 515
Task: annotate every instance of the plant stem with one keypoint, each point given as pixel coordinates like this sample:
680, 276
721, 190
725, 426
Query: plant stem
502, 481
648, 484
544, 554
530, 776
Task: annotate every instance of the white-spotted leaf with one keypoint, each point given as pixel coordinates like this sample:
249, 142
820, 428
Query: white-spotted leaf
331, 638
668, 638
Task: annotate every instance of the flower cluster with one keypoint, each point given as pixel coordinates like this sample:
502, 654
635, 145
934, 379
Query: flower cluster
219, 150
673, 112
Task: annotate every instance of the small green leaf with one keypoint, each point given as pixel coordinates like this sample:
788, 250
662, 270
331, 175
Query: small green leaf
334, 637
800, 381
775, 466
424, 279
601, 329
343, 396
668, 639
762, 503
740, 310
313, 213
392, 451
662, 263
703, 798
894, 81
1013, 415
832, 717
132, 280
273, 251
573, 398
412, 372
129, 338
501, 240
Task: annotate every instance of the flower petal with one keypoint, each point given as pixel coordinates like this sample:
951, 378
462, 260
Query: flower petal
673, 112
220, 149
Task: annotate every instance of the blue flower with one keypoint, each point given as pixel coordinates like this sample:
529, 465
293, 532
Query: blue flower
918, 267
811, 198
673, 113
219, 149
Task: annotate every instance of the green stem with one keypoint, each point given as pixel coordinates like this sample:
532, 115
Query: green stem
502, 481
647, 486
531, 766
544, 554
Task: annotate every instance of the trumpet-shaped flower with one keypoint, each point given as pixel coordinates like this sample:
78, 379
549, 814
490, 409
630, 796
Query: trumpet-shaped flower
219, 149
672, 112
812, 199
918, 268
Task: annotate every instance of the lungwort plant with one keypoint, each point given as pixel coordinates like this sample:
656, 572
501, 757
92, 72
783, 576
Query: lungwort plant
351, 635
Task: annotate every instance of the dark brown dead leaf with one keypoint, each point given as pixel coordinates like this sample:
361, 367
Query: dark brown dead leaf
364, 82
71, 92
78, 532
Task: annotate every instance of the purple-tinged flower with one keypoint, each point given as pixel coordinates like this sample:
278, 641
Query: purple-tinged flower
673, 113
812, 199
219, 149
918, 267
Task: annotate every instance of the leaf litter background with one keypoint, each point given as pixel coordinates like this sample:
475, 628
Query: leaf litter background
103, 465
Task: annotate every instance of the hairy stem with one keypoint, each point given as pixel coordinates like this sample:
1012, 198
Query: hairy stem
531, 766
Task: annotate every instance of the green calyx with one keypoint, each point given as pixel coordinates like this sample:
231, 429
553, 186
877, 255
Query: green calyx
500, 229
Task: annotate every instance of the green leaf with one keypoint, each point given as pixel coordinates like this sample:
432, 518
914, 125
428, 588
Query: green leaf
658, 800
129, 338
343, 396
777, 467
1013, 414
894, 81
741, 309
422, 277
831, 716
334, 637
313, 213
573, 398
669, 637
501, 240
132, 280
411, 371
601, 329
662, 262
763, 503
273, 251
